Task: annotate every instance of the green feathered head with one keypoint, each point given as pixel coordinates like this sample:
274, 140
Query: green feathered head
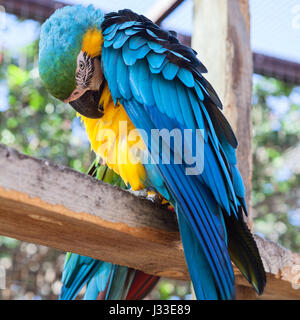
61, 41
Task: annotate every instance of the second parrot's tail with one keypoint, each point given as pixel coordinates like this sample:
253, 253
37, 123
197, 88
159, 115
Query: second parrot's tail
126, 284
142, 284
105, 281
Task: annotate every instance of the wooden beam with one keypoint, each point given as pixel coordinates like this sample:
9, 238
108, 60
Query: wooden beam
284, 70
222, 39
161, 9
38, 10
55, 206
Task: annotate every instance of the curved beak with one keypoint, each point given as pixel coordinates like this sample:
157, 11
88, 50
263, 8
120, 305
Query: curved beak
88, 104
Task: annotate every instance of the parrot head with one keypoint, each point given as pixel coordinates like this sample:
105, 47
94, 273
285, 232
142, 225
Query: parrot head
70, 57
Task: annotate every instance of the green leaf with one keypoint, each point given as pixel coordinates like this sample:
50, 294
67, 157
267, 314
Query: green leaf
16, 76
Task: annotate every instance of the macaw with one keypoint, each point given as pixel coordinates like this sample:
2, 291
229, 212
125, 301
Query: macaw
122, 68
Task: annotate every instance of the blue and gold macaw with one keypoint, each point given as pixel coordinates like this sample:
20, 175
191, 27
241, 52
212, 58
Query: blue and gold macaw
122, 68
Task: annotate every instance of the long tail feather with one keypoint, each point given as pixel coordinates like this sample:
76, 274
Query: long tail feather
78, 270
142, 284
244, 253
199, 269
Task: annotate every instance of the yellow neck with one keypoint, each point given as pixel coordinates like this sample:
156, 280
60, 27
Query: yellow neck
92, 42
119, 147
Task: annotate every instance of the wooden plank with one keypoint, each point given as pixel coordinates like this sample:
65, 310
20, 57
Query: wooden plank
38, 10
284, 70
55, 206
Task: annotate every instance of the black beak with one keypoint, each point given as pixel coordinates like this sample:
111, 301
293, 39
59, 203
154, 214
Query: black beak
88, 104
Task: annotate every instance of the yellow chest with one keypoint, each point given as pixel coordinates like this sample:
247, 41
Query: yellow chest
115, 139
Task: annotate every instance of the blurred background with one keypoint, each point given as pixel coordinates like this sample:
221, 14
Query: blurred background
38, 125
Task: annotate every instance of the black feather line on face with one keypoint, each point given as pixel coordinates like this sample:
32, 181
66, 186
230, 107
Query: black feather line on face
85, 75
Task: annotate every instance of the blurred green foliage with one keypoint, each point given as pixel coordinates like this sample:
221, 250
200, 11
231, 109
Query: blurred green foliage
36, 123
276, 161
41, 126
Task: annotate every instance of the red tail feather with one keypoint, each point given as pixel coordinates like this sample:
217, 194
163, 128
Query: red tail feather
141, 285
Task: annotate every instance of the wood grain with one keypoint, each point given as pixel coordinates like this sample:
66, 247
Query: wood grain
55, 206
52, 205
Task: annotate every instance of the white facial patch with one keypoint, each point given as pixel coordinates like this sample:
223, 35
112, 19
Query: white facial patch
89, 76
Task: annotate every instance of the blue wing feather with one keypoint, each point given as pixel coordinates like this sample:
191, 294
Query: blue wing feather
152, 34
199, 91
136, 42
120, 39
142, 52
156, 47
131, 32
123, 79
134, 73
128, 24
186, 77
110, 60
98, 283
78, 270
184, 103
112, 281
155, 60
170, 70
129, 55
110, 32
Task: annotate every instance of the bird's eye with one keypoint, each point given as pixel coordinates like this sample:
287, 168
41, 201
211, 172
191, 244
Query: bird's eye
81, 65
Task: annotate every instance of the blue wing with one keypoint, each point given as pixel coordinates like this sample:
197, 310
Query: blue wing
160, 84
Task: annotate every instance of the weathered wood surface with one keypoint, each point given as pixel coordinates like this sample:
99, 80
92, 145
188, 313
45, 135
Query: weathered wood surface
55, 206
221, 38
